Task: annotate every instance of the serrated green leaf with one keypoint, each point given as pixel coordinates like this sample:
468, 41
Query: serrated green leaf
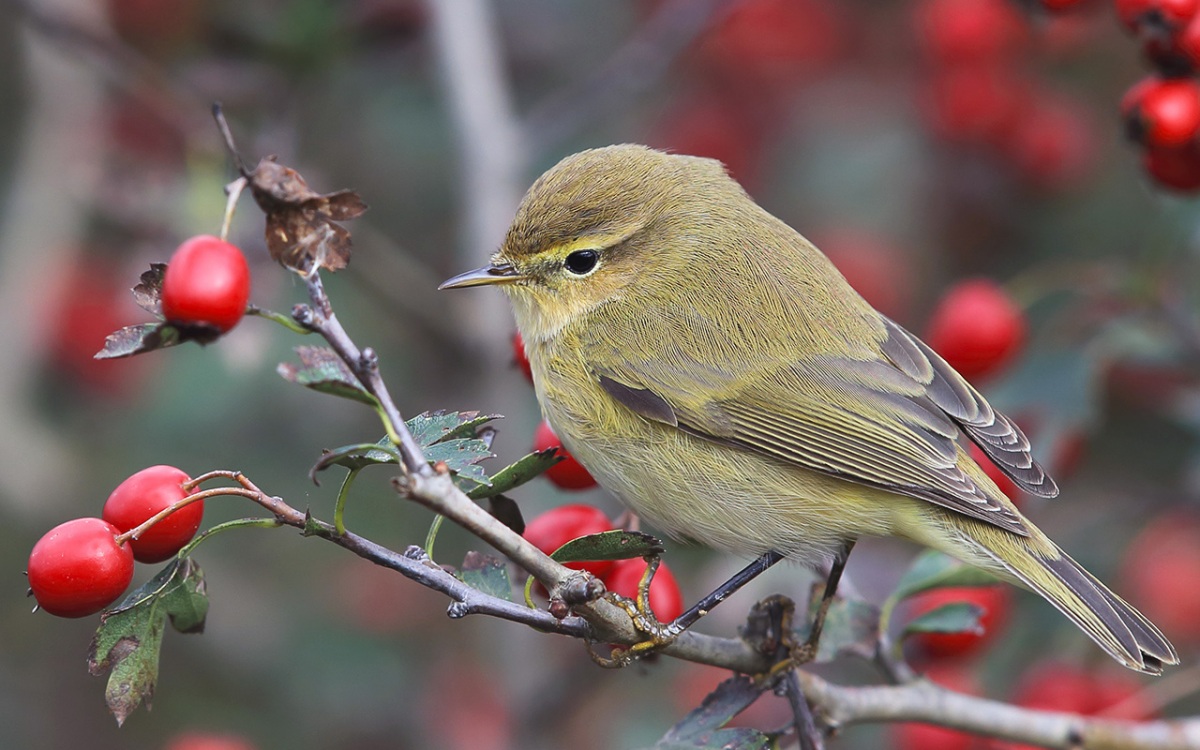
322, 370
434, 427
516, 474
129, 639
357, 456
608, 545
487, 574
932, 570
460, 456
955, 617
139, 339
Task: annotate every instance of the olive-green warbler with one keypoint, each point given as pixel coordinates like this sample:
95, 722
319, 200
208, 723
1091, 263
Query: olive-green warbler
713, 369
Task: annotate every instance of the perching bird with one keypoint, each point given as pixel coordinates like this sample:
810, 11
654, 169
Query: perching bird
713, 369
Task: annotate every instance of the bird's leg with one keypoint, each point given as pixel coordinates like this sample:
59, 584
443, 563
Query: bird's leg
662, 634
807, 651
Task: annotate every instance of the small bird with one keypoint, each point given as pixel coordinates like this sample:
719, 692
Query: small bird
710, 367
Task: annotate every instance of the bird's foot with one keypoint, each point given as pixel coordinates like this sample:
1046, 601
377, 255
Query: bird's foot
658, 634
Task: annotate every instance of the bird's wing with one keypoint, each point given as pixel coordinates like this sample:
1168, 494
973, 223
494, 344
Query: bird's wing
888, 421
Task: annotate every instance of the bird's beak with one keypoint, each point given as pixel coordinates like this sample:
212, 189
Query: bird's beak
497, 273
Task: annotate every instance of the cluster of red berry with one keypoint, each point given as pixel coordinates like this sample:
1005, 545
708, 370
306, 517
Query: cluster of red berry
978, 92
556, 527
82, 566
1162, 111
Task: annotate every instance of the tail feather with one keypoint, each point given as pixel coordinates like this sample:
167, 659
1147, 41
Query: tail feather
1108, 619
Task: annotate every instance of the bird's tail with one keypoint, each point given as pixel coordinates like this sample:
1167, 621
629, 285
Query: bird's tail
1108, 619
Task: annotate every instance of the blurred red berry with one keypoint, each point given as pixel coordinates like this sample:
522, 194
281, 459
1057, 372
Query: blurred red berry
1162, 112
1174, 168
975, 103
1176, 52
556, 527
1160, 570
774, 41
992, 600
207, 740
90, 302
1061, 686
962, 31
1053, 145
77, 568
874, 266
142, 496
519, 358
666, 601
1059, 6
207, 283
1156, 16
976, 327
567, 474
707, 124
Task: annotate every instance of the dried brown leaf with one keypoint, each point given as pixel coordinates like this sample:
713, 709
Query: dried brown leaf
302, 232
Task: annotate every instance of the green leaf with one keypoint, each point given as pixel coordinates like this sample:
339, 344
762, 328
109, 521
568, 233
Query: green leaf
702, 727
460, 456
933, 570
609, 545
955, 617
129, 639
487, 574
851, 627
357, 456
434, 427
507, 512
517, 473
140, 339
322, 370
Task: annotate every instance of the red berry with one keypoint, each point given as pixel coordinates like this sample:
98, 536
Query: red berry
1162, 113
145, 494
993, 600
979, 102
976, 327
1061, 686
1156, 16
519, 358
874, 266
666, 601
1160, 571
958, 31
203, 740
207, 284
1002, 480
1178, 51
556, 527
1174, 168
567, 474
1053, 144
1059, 6
78, 569
774, 41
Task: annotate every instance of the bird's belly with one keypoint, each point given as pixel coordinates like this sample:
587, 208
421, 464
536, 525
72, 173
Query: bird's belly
725, 497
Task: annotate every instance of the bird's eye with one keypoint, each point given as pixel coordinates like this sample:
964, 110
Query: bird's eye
582, 262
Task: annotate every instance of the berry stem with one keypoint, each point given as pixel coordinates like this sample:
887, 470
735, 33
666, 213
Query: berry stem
266, 523
339, 508
137, 531
283, 320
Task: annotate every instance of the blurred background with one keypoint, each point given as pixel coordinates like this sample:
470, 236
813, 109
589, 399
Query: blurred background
920, 145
